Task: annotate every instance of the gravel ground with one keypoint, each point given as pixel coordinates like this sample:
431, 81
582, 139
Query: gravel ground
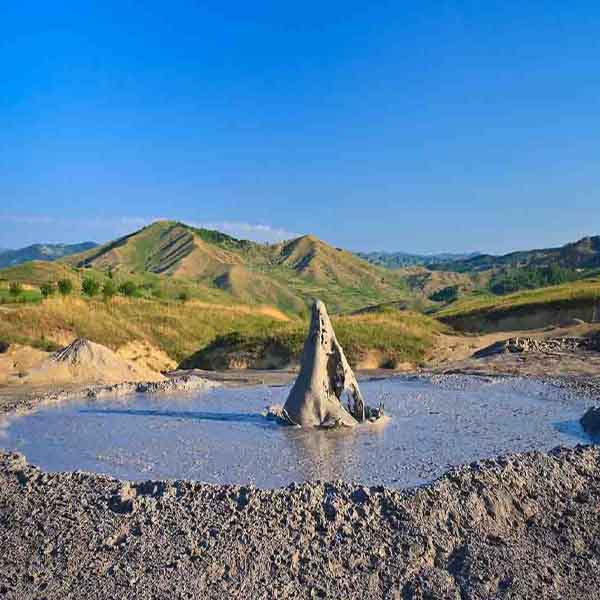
527, 526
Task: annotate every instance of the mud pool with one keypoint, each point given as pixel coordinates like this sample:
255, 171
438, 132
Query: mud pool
221, 437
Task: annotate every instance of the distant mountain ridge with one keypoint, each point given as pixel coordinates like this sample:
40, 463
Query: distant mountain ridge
582, 254
45, 252
398, 260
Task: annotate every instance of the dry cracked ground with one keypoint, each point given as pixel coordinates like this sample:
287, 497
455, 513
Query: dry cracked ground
526, 526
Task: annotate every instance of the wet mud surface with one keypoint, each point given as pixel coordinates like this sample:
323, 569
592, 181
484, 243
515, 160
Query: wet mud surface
221, 437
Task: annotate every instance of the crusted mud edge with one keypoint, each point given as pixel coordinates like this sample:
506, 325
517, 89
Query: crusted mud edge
521, 526
16, 402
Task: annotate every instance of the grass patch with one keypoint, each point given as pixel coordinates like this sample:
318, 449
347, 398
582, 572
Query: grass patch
177, 328
395, 336
206, 330
27, 295
582, 291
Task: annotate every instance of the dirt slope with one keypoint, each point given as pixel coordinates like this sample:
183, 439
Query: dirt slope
17, 360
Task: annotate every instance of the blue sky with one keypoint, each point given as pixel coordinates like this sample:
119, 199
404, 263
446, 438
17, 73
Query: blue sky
439, 126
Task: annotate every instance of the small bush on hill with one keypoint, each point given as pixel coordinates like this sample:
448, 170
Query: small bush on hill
65, 287
109, 289
447, 294
128, 289
90, 287
47, 289
15, 289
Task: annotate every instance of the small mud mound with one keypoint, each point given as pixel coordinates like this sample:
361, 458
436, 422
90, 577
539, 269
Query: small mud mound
83, 361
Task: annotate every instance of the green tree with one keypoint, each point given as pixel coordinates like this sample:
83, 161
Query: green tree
513, 279
65, 287
128, 288
15, 289
447, 294
47, 289
90, 287
109, 289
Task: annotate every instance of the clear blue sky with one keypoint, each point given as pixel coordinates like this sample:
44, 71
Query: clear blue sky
417, 126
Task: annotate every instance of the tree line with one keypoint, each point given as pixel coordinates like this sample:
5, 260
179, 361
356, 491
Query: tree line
91, 288
514, 279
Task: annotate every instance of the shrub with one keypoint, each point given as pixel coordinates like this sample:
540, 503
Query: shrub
128, 288
65, 287
90, 287
15, 289
183, 296
47, 289
447, 294
109, 289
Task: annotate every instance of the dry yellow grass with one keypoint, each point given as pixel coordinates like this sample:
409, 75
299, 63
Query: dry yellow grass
177, 329
181, 330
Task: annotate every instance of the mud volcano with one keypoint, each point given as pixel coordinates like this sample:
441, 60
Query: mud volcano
325, 376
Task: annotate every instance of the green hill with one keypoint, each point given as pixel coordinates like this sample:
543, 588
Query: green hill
530, 309
287, 274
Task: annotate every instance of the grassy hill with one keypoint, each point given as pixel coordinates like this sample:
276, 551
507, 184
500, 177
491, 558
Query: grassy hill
247, 302
214, 335
288, 275
179, 329
385, 338
528, 309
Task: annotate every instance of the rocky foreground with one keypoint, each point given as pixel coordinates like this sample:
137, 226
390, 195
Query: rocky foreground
527, 526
